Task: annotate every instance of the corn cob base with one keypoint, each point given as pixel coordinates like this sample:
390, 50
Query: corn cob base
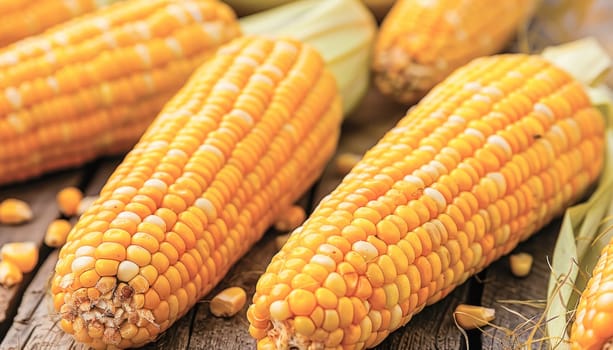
248, 134
422, 42
489, 157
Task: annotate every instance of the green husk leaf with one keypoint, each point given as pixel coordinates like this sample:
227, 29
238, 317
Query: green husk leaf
345, 42
586, 227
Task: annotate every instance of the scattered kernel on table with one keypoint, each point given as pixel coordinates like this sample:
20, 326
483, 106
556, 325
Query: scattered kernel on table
10, 274
14, 211
23, 254
57, 231
68, 199
521, 264
290, 218
345, 162
473, 316
228, 302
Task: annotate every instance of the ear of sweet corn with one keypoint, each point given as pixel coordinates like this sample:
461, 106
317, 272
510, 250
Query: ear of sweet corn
593, 325
420, 42
246, 136
22, 18
484, 160
91, 86
343, 31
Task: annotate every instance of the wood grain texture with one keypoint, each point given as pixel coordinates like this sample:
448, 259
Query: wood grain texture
40, 195
433, 328
519, 302
34, 325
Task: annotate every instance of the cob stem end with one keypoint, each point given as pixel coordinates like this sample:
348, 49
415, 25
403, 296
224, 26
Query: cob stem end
283, 336
399, 75
106, 314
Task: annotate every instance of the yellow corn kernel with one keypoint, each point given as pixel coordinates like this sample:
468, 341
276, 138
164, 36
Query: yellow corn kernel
591, 327
521, 264
68, 200
141, 53
345, 161
472, 316
10, 274
21, 19
421, 42
290, 219
14, 211
85, 203
228, 302
56, 233
406, 232
265, 119
280, 240
23, 254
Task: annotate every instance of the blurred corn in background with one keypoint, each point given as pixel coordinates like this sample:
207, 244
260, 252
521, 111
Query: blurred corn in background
420, 42
23, 18
92, 86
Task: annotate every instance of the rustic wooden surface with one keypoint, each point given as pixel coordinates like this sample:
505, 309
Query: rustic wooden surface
26, 320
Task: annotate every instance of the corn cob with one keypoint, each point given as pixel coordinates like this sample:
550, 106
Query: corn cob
91, 86
247, 135
487, 158
345, 42
422, 41
593, 325
23, 18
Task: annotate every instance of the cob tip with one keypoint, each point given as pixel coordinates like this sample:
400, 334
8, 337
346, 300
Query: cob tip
400, 76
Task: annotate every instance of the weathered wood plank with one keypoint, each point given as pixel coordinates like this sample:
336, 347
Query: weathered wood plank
34, 326
104, 169
210, 332
40, 195
519, 301
35, 318
433, 328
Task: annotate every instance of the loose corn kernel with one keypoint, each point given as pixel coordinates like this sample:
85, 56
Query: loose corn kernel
9, 274
14, 211
472, 316
68, 200
345, 161
521, 264
290, 219
23, 254
228, 302
57, 231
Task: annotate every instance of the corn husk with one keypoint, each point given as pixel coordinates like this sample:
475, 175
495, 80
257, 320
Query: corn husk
586, 227
345, 42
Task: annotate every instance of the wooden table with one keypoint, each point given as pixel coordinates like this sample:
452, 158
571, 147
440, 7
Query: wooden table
26, 321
